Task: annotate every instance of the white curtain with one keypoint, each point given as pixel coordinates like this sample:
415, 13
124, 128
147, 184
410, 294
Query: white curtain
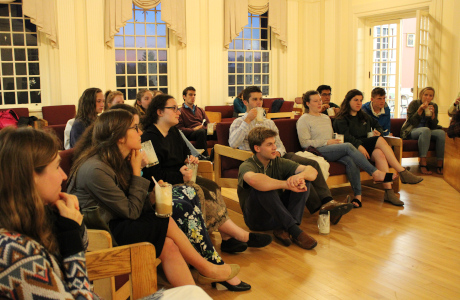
42, 14
236, 17
173, 13
118, 12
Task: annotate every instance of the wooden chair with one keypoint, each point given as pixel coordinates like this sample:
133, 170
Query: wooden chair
281, 115
104, 263
205, 169
214, 117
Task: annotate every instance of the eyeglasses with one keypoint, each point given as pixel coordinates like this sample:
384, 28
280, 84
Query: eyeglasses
326, 94
136, 127
174, 108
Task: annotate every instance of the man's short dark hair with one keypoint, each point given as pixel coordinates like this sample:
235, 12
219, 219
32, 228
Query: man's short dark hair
378, 91
189, 88
258, 135
250, 89
323, 87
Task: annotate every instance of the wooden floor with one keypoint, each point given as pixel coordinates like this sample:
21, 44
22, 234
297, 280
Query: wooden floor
376, 252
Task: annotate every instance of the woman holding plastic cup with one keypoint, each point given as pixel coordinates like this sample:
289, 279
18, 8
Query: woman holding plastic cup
422, 125
315, 129
355, 124
108, 174
173, 155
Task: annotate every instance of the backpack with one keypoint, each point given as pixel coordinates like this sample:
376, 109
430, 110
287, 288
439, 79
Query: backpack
8, 118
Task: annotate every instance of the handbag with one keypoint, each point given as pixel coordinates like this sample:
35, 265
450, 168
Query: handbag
92, 219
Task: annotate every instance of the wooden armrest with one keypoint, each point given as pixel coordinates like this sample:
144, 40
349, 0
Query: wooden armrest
40, 123
393, 141
231, 152
138, 260
214, 117
279, 115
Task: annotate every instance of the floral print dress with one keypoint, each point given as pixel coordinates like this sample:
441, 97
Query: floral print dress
188, 214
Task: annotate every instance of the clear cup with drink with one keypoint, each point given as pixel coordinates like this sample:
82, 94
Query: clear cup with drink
331, 112
428, 112
324, 225
260, 114
152, 158
211, 128
194, 168
163, 200
340, 137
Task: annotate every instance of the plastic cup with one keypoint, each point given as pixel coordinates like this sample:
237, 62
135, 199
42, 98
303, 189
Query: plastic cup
163, 200
152, 158
324, 223
194, 168
211, 128
331, 111
260, 114
428, 112
340, 137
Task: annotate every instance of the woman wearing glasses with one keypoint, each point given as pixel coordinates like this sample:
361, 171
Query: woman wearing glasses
173, 155
108, 174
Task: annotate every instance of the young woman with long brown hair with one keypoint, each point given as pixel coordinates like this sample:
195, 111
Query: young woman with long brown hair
108, 175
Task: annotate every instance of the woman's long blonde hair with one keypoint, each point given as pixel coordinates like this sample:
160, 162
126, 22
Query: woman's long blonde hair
23, 152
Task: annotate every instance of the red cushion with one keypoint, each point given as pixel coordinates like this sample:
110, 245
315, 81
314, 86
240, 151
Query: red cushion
20, 111
58, 114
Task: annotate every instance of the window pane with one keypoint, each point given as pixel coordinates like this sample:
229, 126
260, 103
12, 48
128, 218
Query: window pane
142, 81
231, 91
23, 97
10, 98
248, 79
18, 39
141, 68
21, 83
153, 80
7, 69
21, 69
231, 79
7, 54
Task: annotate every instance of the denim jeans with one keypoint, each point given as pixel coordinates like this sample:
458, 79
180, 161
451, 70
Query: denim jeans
424, 135
348, 155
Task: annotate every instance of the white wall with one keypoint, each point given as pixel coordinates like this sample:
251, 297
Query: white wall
325, 46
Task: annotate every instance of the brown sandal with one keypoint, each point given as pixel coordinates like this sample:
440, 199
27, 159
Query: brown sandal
427, 171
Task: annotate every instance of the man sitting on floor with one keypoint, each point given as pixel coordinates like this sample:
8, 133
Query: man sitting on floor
261, 181
320, 195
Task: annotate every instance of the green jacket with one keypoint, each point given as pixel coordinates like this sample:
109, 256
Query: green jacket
413, 118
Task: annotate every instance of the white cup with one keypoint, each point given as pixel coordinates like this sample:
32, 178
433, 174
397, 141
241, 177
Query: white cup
163, 200
324, 223
260, 114
340, 137
370, 134
331, 111
428, 112
194, 168
152, 158
211, 128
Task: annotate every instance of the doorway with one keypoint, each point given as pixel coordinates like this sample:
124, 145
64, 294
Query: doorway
392, 62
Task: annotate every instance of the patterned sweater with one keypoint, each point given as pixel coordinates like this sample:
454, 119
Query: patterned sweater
29, 271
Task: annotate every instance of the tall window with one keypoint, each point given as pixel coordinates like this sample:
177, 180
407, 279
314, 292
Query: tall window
20, 72
249, 57
384, 63
141, 53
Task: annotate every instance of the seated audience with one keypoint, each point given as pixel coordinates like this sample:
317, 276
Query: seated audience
315, 129
424, 128
272, 190
357, 127
378, 109
187, 213
454, 107
173, 155
91, 104
238, 105
112, 98
320, 195
325, 93
193, 121
108, 175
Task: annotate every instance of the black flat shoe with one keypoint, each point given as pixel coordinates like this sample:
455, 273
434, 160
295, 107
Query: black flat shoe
233, 246
259, 240
388, 178
243, 286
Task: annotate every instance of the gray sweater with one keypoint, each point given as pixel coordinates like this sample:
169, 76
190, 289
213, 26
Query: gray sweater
314, 131
96, 184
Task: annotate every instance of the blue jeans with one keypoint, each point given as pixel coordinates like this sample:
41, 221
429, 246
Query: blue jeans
348, 155
424, 135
